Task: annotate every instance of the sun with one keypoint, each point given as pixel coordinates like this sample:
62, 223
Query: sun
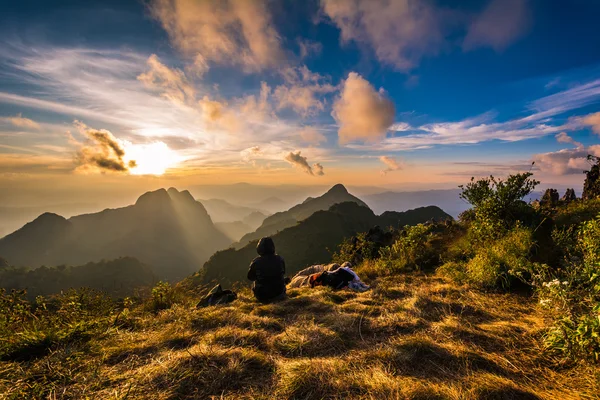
150, 159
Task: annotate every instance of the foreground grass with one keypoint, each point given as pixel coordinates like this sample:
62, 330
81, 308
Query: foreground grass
412, 336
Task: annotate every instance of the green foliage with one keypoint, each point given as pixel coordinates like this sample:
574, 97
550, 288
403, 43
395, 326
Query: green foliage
119, 277
30, 330
415, 249
356, 249
163, 297
572, 294
591, 186
498, 264
498, 199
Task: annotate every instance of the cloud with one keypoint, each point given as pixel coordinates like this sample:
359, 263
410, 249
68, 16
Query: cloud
309, 48
563, 137
105, 153
230, 32
318, 169
566, 161
362, 113
499, 25
566, 100
391, 164
301, 91
21, 122
250, 154
217, 113
171, 82
298, 161
400, 32
257, 108
312, 136
593, 120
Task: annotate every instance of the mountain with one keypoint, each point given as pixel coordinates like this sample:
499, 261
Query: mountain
233, 230
281, 220
223, 211
167, 230
313, 240
254, 220
446, 199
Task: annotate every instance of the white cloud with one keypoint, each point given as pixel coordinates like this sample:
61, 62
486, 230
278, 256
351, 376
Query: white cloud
593, 120
229, 32
566, 161
499, 25
362, 113
301, 91
399, 32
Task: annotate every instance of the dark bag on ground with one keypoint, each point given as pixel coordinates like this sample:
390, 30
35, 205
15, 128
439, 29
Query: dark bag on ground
217, 296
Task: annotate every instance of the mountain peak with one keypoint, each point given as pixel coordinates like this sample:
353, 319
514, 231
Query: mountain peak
155, 197
338, 189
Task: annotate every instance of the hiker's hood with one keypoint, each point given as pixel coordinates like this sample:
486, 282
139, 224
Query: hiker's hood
265, 247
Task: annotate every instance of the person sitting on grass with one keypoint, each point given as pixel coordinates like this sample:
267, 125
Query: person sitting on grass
268, 273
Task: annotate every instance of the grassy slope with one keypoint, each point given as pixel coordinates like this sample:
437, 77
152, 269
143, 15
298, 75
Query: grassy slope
411, 336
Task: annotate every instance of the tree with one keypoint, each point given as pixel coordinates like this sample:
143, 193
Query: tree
569, 196
591, 186
499, 198
550, 198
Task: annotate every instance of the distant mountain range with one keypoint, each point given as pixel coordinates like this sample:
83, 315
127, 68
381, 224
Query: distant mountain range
168, 230
314, 239
223, 211
282, 220
447, 199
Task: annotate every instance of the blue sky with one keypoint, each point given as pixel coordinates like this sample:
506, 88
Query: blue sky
405, 93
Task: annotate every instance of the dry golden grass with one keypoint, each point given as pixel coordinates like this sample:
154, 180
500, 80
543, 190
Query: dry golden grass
410, 337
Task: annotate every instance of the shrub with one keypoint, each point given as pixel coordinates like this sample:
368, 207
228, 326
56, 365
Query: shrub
572, 294
412, 250
163, 297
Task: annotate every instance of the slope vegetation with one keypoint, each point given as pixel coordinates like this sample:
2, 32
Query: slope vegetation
410, 337
313, 240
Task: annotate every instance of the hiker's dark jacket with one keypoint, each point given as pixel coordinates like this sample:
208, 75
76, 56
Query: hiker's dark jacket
267, 271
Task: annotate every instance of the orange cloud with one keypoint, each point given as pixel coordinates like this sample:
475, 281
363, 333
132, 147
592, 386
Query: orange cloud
363, 113
170, 81
21, 122
298, 161
234, 32
391, 164
593, 120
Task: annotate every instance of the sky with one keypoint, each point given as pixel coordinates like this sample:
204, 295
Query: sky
402, 94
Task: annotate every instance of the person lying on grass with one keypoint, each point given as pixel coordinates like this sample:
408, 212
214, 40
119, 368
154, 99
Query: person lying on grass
268, 272
342, 277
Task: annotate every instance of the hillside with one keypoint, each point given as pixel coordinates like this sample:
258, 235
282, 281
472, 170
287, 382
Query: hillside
282, 220
120, 277
313, 240
410, 337
167, 230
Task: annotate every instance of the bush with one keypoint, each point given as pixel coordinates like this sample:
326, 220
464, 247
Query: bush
163, 297
497, 264
413, 250
572, 294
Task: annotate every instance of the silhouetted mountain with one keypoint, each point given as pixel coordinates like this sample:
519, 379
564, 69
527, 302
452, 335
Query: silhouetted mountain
223, 211
446, 199
233, 230
254, 220
168, 230
279, 221
312, 240
118, 277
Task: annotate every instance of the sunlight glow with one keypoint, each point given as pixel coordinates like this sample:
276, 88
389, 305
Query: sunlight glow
151, 159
